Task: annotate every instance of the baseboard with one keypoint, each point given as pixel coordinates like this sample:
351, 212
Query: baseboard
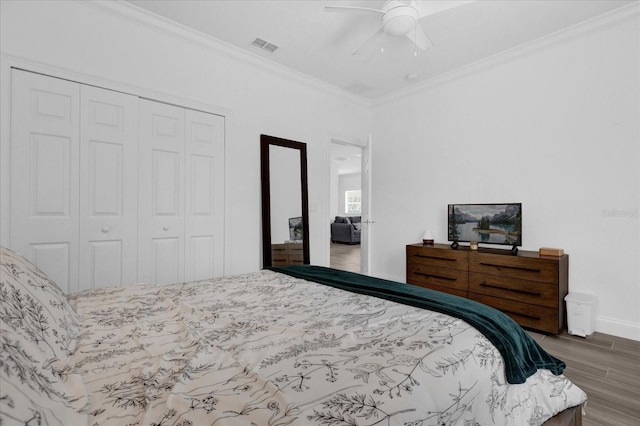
615, 327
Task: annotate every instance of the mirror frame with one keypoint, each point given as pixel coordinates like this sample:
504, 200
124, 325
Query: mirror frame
266, 142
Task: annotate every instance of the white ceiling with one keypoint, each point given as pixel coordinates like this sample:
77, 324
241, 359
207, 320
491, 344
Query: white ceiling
320, 44
348, 158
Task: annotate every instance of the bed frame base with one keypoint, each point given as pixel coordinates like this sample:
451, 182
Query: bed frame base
569, 417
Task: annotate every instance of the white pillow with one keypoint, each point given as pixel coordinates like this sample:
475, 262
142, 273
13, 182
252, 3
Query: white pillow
35, 307
39, 332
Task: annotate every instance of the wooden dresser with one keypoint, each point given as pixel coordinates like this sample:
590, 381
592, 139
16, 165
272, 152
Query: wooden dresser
528, 287
287, 254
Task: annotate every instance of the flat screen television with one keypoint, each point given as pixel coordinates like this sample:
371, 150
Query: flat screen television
295, 228
486, 223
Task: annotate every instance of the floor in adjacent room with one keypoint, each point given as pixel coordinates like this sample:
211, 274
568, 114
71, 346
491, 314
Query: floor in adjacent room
345, 257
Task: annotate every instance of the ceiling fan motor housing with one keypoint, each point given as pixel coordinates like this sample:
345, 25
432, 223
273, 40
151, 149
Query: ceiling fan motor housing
399, 18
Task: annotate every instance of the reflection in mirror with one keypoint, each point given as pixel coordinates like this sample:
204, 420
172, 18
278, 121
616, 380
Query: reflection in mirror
286, 192
285, 219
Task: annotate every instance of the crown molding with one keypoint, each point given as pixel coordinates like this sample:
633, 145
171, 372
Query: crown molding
136, 15
594, 25
11, 60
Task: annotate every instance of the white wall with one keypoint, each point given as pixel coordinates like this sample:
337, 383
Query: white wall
348, 182
554, 126
113, 43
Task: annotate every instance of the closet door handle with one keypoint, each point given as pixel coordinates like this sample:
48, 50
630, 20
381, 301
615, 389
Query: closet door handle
165, 228
105, 229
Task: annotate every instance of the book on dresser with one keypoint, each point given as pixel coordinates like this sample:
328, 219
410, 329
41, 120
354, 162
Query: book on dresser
527, 286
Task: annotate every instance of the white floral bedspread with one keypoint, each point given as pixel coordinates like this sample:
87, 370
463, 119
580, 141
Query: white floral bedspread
269, 349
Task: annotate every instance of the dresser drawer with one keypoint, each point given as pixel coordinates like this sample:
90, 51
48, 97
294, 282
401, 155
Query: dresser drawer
443, 289
536, 292
450, 278
287, 254
431, 256
533, 269
295, 249
537, 317
296, 258
279, 260
279, 249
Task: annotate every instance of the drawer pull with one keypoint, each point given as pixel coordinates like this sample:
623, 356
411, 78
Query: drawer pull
434, 257
515, 290
520, 268
520, 314
424, 274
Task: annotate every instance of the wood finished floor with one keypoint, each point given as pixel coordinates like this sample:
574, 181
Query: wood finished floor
345, 257
606, 367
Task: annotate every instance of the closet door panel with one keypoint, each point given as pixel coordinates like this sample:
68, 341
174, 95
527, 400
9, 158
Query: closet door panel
106, 265
166, 260
204, 226
161, 193
108, 188
56, 260
44, 174
166, 189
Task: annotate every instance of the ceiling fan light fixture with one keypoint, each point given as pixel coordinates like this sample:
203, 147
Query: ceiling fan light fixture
399, 25
399, 19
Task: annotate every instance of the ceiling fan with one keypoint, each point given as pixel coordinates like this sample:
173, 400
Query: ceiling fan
399, 18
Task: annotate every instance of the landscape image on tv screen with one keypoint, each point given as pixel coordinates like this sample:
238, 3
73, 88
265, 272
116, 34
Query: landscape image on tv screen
486, 223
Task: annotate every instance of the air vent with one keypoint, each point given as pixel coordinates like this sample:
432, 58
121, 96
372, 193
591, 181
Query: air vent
264, 45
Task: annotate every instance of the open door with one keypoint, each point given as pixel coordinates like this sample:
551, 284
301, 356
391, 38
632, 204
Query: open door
349, 158
365, 236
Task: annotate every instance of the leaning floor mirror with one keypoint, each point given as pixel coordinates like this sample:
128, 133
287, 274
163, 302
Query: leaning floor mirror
285, 202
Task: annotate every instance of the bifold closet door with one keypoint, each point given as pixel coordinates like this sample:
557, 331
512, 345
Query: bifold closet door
161, 193
108, 188
74, 180
181, 194
44, 199
204, 196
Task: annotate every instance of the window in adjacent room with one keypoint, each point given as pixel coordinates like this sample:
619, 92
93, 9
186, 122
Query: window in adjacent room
352, 201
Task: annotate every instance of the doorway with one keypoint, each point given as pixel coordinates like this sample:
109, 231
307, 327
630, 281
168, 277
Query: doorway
349, 200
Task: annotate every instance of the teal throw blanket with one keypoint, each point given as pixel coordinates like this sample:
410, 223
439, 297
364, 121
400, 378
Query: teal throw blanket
522, 355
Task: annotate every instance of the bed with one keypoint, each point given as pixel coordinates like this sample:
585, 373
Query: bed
266, 348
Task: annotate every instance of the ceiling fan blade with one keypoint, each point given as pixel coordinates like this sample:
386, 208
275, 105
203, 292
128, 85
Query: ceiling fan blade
352, 9
418, 36
374, 36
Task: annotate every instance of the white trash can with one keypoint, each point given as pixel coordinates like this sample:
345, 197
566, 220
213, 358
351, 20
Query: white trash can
581, 319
